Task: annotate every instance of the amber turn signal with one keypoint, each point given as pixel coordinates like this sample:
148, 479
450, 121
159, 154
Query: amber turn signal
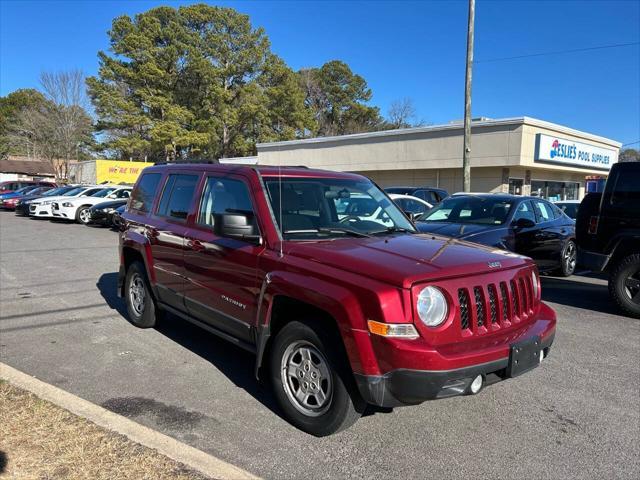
395, 330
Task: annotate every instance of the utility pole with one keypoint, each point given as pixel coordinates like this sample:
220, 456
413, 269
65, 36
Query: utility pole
466, 153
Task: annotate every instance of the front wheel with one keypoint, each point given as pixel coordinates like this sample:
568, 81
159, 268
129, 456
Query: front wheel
568, 259
312, 380
624, 284
83, 215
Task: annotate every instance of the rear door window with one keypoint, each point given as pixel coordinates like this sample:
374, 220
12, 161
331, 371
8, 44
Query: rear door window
543, 211
626, 191
177, 196
144, 193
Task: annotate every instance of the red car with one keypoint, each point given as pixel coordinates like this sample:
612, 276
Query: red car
341, 310
13, 185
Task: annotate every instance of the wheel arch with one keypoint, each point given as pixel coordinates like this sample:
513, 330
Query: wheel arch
284, 299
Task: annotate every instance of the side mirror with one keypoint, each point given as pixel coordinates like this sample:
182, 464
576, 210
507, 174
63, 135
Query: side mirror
524, 223
112, 195
237, 225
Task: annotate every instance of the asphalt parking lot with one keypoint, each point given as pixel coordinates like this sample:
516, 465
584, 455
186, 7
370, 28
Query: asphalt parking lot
576, 416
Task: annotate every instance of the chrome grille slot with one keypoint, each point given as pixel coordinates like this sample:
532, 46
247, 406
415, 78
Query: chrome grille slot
505, 302
480, 313
516, 299
463, 299
493, 303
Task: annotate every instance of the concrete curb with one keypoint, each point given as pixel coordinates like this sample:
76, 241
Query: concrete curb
178, 451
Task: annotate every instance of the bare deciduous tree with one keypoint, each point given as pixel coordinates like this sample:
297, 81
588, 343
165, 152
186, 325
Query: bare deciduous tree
401, 113
59, 129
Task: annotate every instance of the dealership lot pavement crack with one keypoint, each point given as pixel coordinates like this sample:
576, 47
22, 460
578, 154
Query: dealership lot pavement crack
61, 321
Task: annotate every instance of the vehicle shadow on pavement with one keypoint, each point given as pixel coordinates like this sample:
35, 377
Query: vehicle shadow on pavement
232, 361
577, 291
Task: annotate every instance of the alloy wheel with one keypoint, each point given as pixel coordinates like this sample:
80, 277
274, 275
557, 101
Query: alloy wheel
570, 256
137, 294
84, 215
306, 378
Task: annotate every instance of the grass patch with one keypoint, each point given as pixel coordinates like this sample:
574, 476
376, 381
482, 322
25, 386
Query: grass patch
41, 440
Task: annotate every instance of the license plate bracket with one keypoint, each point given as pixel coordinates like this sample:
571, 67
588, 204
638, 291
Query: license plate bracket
524, 356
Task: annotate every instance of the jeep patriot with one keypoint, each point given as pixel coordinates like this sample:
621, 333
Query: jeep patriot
341, 307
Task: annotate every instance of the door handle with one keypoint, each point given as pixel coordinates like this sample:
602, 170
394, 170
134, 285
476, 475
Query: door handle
195, 245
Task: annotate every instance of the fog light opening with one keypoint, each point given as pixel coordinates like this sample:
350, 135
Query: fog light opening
476, 385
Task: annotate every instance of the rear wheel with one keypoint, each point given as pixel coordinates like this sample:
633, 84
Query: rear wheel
568, 258
312, 380
83, 215
141, 306
624, 284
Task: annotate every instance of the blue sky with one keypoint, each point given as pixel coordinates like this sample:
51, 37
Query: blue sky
403, 49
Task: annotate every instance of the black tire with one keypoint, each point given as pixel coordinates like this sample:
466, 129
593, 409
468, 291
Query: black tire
624, 284
82, 215
568, 258
143, 316
343, 406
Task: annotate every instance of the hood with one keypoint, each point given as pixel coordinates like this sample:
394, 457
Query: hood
405, 259
456, 230
109, 204
53, 199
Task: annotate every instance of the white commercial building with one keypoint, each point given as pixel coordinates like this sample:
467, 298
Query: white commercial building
518, 155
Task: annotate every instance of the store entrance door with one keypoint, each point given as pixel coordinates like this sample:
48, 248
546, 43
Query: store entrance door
515, 186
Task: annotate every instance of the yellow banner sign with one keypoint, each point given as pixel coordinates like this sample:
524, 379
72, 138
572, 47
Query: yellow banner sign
118, 171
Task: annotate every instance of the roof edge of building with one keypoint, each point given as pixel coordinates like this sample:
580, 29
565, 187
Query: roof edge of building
443, 127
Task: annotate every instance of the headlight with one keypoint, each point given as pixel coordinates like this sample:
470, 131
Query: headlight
432, 306
67, 204
534, 280
109, 210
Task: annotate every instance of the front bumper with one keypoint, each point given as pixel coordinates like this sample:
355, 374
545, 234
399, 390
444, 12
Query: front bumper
410, 387
67, 213
101, 217
40, 211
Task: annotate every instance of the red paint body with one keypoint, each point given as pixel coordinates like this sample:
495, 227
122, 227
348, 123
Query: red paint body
351, 279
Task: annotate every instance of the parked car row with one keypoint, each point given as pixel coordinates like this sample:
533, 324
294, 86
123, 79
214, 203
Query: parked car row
85, 204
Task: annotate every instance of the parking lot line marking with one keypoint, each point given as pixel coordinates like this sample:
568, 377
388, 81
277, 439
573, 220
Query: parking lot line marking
172, 448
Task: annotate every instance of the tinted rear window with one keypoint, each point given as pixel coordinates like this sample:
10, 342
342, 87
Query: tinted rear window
177, 195
144, 193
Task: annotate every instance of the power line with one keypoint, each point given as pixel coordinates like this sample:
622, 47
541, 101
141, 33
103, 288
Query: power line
632, 143
558, 52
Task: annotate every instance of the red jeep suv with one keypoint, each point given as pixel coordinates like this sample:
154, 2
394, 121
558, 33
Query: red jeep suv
341, 309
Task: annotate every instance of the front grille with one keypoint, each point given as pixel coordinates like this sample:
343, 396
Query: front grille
496, 305
463, 299
477, 292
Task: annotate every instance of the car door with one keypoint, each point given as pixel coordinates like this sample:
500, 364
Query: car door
523, 239
221, 286
166, 235
550, 236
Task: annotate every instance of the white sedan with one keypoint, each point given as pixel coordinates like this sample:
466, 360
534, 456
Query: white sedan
77, 209
41, 207
412, 206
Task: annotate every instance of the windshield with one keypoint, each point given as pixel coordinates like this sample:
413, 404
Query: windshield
328, 207
470, 209
75, 191
56, 191
103, 193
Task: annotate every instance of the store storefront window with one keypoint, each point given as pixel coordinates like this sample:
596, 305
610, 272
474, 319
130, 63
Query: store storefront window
515, 186
555, 191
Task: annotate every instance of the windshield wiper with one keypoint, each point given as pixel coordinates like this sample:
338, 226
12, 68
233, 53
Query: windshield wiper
394, 229
347, 231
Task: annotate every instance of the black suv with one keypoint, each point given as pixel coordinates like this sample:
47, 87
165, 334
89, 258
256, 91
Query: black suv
428, 194
608, 234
